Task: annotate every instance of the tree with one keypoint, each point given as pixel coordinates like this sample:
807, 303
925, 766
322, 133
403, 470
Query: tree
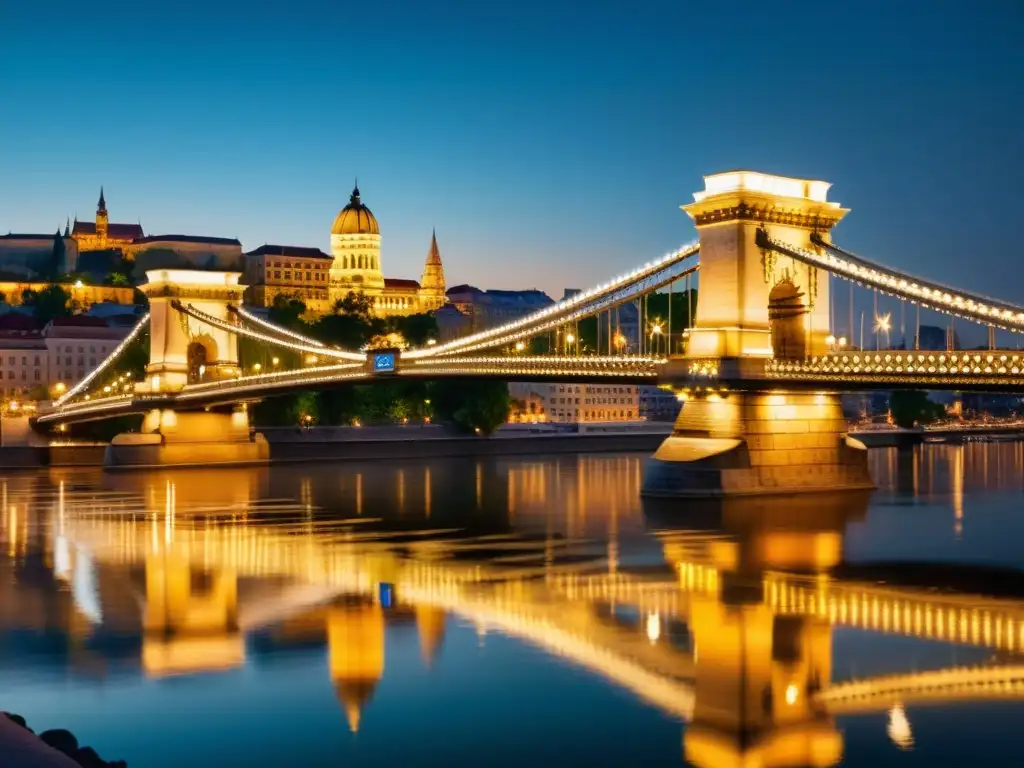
58, 257
472, 405
416, 329
911, 408
53, 301
357, 304
287, 311
118, 279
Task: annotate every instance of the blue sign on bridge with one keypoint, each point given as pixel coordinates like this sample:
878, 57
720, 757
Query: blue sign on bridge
384, 362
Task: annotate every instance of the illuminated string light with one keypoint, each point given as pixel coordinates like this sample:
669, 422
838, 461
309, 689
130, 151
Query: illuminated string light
950, 301
589, 302
278, 329
202, 317
80, 386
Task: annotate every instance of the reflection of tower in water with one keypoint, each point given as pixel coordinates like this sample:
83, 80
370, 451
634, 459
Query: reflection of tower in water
757, 673
355, 642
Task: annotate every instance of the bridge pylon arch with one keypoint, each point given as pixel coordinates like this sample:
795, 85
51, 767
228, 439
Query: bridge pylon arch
753, 305
184, 351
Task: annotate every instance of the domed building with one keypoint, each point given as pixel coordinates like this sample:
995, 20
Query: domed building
354, 264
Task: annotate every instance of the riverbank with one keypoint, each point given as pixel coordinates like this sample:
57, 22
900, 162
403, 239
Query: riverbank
291, 445
21, 748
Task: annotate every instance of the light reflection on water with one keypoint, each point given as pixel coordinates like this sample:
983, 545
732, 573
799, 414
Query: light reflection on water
510, 610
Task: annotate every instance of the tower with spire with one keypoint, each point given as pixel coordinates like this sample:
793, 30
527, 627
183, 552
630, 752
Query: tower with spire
101, 234
102, 220
432, 287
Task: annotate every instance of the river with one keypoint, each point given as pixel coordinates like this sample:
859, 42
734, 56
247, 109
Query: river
513, 611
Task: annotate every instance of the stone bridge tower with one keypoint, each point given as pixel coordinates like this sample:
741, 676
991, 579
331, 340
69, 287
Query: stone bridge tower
751, 301
749, 437
185, 352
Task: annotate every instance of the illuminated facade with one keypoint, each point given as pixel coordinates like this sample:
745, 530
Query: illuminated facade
100, 235
56, 357
575, 403
284, 270
356, 266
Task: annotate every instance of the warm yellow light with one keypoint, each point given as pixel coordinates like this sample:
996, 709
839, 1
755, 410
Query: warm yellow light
14, 405
656, 328
59, 387
883, 323
569, 338
78, 283
257, 367
653, 627
830, 339
276, 361
431, 342
520, 346
842, 341
792, 693
106, 388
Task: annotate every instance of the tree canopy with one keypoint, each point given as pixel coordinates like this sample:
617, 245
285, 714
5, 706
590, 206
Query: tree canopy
351, 324
912, 408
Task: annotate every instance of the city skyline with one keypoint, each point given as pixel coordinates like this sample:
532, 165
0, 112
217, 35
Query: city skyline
548, 150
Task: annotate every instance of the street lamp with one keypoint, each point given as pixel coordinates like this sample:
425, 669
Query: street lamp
431, 342
569, 339
655, 331
257, 368
520, 346
882, 324
276, 361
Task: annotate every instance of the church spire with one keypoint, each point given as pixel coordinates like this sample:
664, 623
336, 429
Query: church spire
434, 254
432, 285
101, 207
67, 227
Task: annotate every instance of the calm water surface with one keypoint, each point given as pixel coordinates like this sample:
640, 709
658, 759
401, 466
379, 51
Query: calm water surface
514, 611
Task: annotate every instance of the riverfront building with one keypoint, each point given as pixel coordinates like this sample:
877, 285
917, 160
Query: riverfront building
353, 265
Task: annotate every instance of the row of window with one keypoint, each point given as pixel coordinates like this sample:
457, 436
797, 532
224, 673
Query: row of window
303, 265
37, 375
603, 415
320, 277
591, 388
81, 349
592, 401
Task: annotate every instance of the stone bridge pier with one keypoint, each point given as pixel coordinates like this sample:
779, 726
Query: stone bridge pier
185, 352
754, 305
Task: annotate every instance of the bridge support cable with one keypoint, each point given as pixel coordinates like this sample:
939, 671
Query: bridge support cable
202, 317
275, 329
104, 364
262, 385
941, 298
621, 290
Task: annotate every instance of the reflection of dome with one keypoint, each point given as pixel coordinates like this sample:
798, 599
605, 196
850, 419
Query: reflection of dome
354, 695
355, 219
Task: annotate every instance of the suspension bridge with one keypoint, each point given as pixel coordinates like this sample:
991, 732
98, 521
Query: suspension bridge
759, 364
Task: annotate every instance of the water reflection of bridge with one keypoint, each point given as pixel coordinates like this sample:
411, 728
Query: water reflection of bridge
734, 635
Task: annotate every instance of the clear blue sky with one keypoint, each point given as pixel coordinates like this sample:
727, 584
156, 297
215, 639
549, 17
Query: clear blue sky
550, 143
